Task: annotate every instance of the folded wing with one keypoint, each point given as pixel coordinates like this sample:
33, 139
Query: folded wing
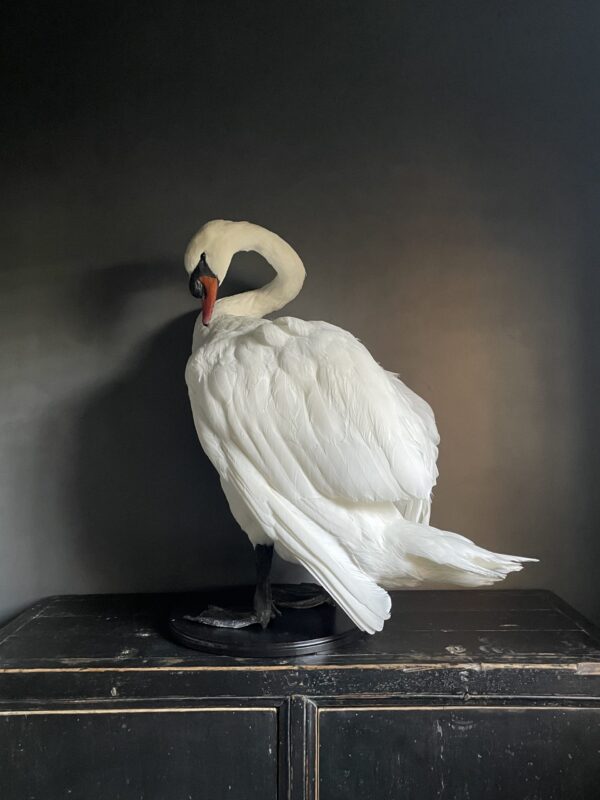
291, 412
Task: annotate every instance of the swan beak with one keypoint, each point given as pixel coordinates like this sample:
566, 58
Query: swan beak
211, 287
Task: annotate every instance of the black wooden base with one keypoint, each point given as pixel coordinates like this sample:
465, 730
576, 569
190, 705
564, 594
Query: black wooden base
295, 632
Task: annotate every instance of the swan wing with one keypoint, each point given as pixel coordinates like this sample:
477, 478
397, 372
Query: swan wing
314, 412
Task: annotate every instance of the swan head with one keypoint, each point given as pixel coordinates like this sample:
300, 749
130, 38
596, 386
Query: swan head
207, 259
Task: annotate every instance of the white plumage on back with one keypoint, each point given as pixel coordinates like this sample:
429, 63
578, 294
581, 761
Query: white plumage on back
323, 453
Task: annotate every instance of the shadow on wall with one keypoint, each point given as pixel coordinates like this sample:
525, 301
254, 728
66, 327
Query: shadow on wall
147, 509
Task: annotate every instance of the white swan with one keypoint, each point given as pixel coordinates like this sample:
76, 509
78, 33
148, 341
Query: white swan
321, 452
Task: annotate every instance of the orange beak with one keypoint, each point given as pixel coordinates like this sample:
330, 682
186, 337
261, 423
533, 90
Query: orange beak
211, 287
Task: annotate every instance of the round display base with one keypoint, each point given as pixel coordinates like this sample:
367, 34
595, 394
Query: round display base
296, 632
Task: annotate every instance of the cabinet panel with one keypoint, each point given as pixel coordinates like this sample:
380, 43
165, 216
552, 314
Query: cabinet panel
458, 753
184, 754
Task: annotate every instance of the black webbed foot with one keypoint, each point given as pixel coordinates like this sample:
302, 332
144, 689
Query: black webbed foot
219, 617
300, 595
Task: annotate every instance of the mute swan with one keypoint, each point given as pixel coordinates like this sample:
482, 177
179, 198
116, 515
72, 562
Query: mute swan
322, 453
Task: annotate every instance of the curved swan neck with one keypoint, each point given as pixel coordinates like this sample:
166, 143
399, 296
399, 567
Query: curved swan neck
285, 261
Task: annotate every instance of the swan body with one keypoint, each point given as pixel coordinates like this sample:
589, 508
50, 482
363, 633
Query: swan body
321, 452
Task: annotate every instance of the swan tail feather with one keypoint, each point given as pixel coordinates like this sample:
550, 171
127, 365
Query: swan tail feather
423, 554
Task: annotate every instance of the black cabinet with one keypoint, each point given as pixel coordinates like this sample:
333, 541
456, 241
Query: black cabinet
482, 695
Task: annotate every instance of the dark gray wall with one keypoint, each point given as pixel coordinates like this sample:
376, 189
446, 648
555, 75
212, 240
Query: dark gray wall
436, 166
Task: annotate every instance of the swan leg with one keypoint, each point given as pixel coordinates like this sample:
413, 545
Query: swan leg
263, 594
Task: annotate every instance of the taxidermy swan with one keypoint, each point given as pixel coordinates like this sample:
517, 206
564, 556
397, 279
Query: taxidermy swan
323, 455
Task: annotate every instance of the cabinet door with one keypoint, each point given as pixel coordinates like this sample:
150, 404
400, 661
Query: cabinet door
154, 754
457, 753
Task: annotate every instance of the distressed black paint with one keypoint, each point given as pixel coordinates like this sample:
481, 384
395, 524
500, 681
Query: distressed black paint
478, 672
